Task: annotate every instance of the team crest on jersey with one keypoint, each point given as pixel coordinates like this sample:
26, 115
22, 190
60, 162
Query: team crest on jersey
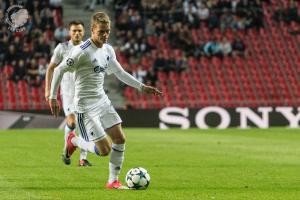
70, 61
99, 69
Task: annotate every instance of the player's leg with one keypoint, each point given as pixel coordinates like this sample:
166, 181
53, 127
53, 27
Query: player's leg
111, 122
117, 155
70, 124
71, 121
69, 128
93, 137
83, 162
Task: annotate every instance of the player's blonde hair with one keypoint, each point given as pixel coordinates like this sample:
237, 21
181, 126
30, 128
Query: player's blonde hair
99, 18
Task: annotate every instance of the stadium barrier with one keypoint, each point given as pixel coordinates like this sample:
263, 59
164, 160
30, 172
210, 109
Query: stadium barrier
203, 118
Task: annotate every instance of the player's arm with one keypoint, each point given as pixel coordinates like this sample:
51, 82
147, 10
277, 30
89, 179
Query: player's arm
125, 77
128, 79
68, 64
55, 60
49, 75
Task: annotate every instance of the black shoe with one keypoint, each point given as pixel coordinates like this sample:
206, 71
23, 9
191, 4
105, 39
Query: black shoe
66, 159
84, 163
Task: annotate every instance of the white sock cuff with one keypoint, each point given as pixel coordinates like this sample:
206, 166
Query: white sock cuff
118, 147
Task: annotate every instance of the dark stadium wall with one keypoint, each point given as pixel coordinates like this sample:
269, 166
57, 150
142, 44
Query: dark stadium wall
207, 117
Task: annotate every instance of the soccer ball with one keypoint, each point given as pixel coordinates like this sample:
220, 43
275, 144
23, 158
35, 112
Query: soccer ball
137, 178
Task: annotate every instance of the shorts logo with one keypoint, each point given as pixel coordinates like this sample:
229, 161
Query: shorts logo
70, 61
99, 69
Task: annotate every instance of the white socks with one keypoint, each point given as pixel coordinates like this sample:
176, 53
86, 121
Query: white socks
116, 161
84, 145
67, 131
116, 156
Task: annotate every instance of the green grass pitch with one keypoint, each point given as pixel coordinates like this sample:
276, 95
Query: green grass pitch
230, 164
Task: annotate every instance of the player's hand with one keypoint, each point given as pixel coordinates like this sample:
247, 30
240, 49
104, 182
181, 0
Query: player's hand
54, 106
47, 94
151, 90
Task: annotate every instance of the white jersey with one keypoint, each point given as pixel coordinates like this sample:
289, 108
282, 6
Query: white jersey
68, 81
90, 64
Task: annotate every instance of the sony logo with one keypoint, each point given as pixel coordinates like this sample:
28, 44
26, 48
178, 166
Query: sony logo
180, 117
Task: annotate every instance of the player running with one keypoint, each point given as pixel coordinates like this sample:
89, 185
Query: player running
76, 33
96, 116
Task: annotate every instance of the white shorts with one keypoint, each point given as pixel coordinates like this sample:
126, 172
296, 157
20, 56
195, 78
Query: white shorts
92, 124
67, 90
68, 105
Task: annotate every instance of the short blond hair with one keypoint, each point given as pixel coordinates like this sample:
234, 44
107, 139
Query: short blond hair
100, 18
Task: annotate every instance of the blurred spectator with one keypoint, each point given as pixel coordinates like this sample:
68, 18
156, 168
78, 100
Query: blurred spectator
225, 46
226, 20
17, 43
279, 14
90, 5
151, 78
292, 13
160, 64
46, 19
11, 55
213, 21
212, 48
234, 4
3, 47
42, 48
26, 53
238, 47
190, 12
19, 72
180, 64
203, 12
33, 73
56, 4
61, 33
150, 28
42, 71
140, 74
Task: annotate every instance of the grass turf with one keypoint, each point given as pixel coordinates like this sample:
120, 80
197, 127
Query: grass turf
231, 164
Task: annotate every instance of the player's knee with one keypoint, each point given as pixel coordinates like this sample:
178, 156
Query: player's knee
119, 140
105, 151
71, 125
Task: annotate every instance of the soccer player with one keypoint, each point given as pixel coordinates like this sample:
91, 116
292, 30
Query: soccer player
76, 33
96, 116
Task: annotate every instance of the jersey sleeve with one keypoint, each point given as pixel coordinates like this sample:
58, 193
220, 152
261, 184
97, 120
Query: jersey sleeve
113, 63
57, 56
116, 69
70, 63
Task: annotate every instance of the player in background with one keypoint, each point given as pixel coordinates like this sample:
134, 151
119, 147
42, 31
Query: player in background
96, 116
76, 33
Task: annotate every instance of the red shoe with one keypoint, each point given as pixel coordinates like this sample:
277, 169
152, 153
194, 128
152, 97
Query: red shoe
116, 185
70, 146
